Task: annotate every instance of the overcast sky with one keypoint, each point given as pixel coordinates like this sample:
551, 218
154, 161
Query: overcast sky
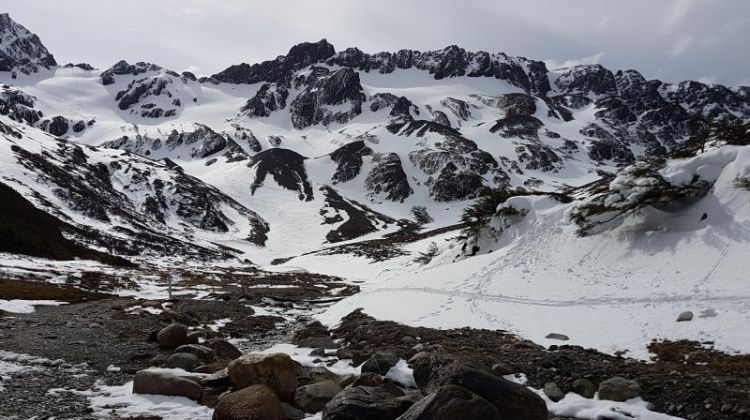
672, 40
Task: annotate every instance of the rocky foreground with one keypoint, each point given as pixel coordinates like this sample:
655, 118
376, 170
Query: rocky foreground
213, 353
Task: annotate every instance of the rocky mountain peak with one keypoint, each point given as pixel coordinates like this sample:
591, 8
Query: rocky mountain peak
307, 53
280, 69
20, 49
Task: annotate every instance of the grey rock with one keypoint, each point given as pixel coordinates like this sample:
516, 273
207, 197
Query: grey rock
451, 402
553, 391
312, 398
502, 369
205, 354
365, 403
584, 387
277, 371
618, 389
148, 382
511, 400
685, 316
172, 336
380, 363
185, 361
556, 336
323, 342
291, 412
256, 402
223, 349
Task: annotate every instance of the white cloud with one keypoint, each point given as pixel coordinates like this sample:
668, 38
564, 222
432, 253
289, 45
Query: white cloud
681, 46
676, 13
555, 64
709, 79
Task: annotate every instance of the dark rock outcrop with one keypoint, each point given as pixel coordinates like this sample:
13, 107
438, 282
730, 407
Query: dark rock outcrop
298, 57
348, 160
451, 402
365, 403
324, 89
287, 168
388, 177
21, 50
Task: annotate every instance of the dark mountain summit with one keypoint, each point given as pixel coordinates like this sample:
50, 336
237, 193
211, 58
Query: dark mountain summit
21, 50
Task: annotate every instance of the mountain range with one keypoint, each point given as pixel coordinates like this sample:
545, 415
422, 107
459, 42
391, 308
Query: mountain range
320, 146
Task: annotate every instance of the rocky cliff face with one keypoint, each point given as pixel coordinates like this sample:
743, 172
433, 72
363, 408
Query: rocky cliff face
21, 50
150, 91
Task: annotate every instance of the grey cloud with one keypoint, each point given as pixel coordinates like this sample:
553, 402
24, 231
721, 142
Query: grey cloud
671, 40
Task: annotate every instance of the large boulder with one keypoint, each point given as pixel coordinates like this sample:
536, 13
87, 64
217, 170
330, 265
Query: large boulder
365, 403
512, 401
205, 354
223, 349
257, 402
553, 391
185, 361
172, 336
618, 389
584, 387
311, 329
380, 363
277, 371
322, 342
149, 382
312, 398
451, 402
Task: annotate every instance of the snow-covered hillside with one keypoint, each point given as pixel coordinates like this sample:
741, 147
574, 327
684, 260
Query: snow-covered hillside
614, 290
315, 157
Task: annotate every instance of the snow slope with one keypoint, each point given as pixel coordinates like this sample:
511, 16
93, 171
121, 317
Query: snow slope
615, 290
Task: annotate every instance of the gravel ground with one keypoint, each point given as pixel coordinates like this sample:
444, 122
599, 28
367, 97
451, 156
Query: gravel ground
77, 345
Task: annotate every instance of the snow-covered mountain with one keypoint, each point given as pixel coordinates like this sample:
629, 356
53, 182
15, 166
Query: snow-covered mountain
21, 50
284, 139
321, 153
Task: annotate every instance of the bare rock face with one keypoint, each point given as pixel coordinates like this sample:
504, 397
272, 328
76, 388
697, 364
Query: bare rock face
348, 160
18, 105
149, 90
267, 99
287, 168
451, 61
586, 78
388, 177
148, 382
511, 103
299, 56
256, 402
276, 371
21, 50
325, 90
523, 126
459, 108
